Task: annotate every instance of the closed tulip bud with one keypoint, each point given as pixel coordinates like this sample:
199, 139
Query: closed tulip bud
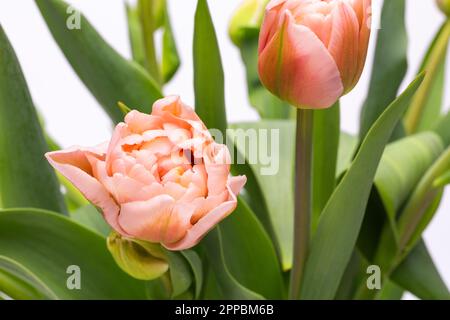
247, 20
141, 260
311, 52
444, 5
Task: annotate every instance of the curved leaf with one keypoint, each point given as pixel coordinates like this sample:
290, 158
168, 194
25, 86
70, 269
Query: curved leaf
426, 106
277, 186
250, 255
333, 243
226, 284
26, 178
47, 244
109, 76
391, 50
208, 71
418, 275
21, 284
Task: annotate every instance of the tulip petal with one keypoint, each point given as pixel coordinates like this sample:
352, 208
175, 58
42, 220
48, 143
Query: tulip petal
296, 66
156, 220
205, 224
73, 164
344, 43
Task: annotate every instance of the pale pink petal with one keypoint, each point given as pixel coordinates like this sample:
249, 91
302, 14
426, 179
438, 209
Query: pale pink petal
344, 43
237, 183
139, 122
74, 165
205, 224
296, 66
156, 220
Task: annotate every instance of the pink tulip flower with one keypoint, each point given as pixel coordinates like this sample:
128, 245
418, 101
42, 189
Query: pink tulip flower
311, 52
162, 178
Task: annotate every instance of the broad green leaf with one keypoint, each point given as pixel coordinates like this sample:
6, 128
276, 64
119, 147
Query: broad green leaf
208, 71
250, 255
21, 284
109, 76
275, 177
47, 244
426, 106
418, 275
390, 63
26, 179
267, 105
402, 166
325, 153
228, 287
340, 222
89, 217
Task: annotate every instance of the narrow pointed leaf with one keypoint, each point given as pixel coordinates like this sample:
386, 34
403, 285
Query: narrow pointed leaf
335, 238
390, 53
26, 178
208, 71
418, 275
426, 106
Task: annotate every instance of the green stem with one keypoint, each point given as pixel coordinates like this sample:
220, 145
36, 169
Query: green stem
303, 197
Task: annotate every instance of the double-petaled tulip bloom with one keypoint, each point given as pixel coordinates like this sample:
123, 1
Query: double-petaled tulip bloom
162, 178
444, 5
311, 52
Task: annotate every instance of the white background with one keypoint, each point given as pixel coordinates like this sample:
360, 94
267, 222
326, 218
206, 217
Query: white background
74, 117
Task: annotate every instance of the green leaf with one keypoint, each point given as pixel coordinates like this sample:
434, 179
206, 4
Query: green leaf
170, 60
26, 179
348, 145
180, 273
422, 205
275, 179
251, 258
426, 106
227, 285
197, 269
89, 217
402, 166
20, 283
109, 76
442, 128
340, 223
47, 244
135, 34
325, 154
418, 275
390, 53
390, 291
208, 71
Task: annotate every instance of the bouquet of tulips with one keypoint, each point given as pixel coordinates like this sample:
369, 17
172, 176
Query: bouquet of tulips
181, 204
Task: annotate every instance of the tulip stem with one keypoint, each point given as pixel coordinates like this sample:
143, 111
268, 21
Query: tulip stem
303, 197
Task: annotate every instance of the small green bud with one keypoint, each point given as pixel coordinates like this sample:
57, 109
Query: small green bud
141, 260
247, 19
